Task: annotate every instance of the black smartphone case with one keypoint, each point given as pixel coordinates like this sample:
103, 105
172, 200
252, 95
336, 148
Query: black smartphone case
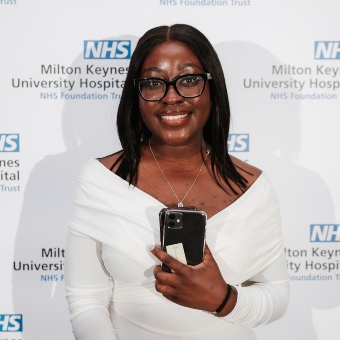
186, 226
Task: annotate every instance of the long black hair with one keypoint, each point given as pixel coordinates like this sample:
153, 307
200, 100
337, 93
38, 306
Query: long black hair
131, 128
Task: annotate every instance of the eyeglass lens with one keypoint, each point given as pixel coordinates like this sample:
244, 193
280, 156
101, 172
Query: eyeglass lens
188, 86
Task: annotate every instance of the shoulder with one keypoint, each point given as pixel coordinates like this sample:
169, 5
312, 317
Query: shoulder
112, 162
249, 172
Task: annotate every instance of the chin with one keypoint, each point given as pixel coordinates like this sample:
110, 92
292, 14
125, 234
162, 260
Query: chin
179, 140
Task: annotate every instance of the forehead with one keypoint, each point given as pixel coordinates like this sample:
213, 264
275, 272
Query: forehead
174, 56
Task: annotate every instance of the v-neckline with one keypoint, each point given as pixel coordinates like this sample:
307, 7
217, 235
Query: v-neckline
230, 206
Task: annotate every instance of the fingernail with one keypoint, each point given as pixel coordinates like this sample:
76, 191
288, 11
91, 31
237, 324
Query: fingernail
151, 247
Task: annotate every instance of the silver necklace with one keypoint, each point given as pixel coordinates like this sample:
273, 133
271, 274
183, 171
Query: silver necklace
180, 203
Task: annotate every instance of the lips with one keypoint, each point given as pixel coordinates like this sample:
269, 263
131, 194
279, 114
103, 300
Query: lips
174, 118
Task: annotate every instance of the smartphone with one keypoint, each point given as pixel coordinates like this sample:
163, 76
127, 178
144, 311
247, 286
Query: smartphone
182, 233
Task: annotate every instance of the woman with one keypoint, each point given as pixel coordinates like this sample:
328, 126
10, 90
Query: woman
173, 123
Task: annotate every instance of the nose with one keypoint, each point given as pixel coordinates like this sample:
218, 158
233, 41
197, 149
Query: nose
172, 97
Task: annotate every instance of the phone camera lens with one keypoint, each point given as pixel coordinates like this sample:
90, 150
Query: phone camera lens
172, 216
171, 224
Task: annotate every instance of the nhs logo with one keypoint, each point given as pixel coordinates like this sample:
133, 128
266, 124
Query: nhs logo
107, 49
327, 50
10, 322
238, 142
325, 232
9, 142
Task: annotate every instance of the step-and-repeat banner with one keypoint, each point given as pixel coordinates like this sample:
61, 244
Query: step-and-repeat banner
62, 70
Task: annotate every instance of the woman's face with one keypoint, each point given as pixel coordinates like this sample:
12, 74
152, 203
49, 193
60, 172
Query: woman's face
174, 120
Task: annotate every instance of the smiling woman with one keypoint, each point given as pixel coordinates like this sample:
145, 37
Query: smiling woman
175, 119
173, 124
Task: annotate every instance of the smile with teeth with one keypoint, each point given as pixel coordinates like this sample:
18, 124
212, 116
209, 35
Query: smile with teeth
174, 117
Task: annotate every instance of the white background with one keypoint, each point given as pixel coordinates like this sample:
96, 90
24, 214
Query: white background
295, 141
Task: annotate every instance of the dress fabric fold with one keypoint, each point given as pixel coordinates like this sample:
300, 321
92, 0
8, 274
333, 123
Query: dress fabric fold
121, 221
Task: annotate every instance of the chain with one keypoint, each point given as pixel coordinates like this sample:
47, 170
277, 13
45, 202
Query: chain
180, 203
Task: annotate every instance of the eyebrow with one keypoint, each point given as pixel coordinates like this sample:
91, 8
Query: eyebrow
154, 69
158, 69
189, 65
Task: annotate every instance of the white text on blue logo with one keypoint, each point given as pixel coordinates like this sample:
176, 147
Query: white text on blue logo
10, 322
107, 49
327, 50
9, 142
325, 232
238, 142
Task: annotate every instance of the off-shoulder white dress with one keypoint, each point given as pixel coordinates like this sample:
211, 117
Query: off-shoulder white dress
110, 230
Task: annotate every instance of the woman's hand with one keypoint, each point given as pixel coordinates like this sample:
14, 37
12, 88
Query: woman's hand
199, 287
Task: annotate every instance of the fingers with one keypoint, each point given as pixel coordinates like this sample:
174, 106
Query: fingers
207, 249
200, 287
207, 254
166, 284
164, 257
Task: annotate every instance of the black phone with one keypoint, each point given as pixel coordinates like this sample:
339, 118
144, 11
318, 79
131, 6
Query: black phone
182, 230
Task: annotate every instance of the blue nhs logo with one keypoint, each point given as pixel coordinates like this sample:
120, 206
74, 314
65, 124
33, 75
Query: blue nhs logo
327, 50
238, 142
10, 322
325, 232
9, 142
107, 49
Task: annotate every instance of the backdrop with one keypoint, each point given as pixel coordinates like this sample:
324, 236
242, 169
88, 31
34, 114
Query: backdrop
62, 69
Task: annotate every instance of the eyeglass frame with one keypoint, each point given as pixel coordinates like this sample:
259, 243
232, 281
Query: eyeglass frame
205, 76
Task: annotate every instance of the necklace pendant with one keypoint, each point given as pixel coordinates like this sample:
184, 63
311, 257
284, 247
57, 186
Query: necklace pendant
180, 203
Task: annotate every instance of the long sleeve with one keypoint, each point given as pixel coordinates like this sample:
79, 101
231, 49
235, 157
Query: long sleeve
87, 289
263, 298
245, 239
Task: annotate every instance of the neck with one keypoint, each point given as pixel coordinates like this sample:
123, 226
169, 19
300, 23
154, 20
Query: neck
180, 202
180, 161
188, 152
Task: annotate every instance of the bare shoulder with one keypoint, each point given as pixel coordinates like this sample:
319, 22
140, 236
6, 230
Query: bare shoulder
249, 172
110, 160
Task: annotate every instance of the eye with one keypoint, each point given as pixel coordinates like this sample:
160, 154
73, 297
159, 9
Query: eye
189, 81
152, 84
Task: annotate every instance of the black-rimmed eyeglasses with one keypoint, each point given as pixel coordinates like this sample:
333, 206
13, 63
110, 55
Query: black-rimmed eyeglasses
187, 86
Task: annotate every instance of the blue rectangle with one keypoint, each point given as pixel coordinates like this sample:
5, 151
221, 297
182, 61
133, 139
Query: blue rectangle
324, 233
107, 49
238, 142
11, 323
9, 142
327, 50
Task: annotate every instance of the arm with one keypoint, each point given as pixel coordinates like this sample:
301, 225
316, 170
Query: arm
263, 298
87, 289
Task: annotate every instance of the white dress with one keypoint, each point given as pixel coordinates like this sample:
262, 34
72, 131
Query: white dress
112, 226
